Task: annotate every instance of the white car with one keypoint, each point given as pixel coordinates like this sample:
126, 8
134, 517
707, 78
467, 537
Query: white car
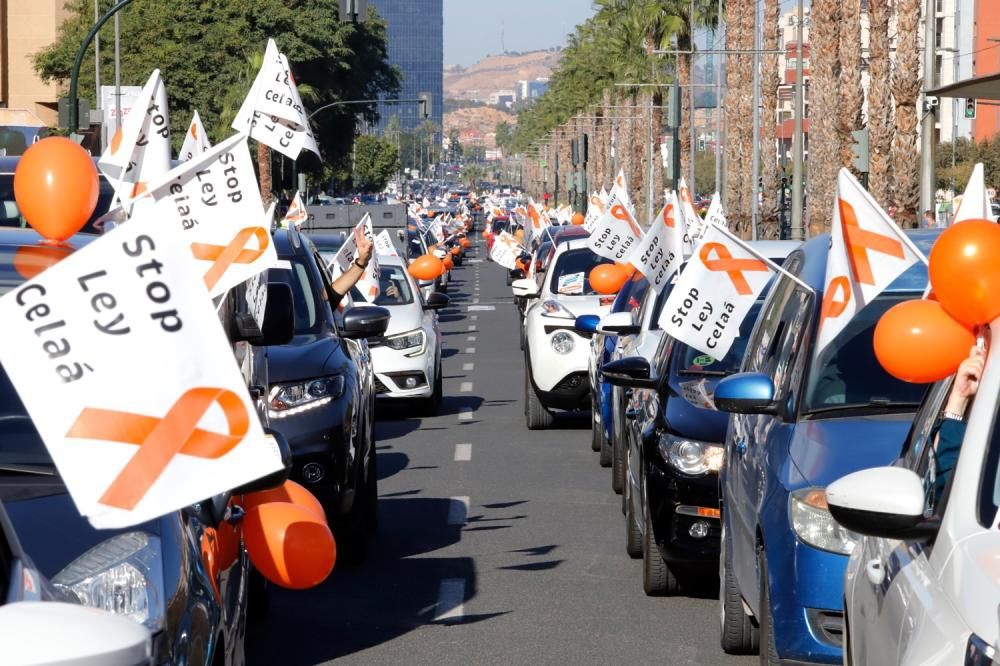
556, 354
923, 585
407, 363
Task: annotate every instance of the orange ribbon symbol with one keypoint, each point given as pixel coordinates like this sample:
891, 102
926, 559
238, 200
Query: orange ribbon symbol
839, 286
234, 253
619, 213
732, 267
668, 218
860, 240
159, 440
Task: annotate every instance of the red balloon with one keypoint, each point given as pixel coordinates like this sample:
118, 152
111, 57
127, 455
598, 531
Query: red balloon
917, 341
608, 278
965, 271
289, 491
289, 545
56, 187
426, 267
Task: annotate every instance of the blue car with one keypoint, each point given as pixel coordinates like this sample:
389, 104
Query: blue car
798, 423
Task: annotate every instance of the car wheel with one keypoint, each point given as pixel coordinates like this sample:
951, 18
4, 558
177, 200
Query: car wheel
768, 649
633, 535
596, 433
522, 338
657, 578
618, 465
605, 450
536, 417
738, 633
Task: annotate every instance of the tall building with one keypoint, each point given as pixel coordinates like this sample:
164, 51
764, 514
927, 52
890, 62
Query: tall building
985, 60
27, 26
416, 47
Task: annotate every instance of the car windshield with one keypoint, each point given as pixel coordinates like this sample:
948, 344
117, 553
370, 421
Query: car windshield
21, 444
571, 274
328, 246
10, 216
394, 288
296, 275
847, 375
690, 361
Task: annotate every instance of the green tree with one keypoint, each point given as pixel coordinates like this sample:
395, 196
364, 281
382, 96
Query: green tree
376, 161
455, 149
504, 136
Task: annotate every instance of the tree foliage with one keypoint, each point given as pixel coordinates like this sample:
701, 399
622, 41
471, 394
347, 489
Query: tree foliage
376, 162
204, 49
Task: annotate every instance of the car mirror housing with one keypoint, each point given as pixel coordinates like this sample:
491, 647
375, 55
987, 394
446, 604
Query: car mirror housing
618, 323
631, 372
366, 321
746, 393
885, 502
587, 324
524, 287
437, 301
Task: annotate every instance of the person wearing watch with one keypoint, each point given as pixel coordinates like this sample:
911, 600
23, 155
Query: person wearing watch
346, 280
951, 426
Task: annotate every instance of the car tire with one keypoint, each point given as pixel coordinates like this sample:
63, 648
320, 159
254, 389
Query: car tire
633, 535
605, 450
522, 337
617, 466
658, 580
596, 432
536, 417
738, 633
768, 649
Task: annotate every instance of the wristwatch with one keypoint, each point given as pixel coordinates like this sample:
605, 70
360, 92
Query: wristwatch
954, 416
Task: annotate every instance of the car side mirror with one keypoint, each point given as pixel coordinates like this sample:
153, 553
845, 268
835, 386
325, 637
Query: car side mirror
746, 393
367, 321
524, 287
587, 324
618, 323
279, 317
631, 372
437, 301
274, 479
885, 502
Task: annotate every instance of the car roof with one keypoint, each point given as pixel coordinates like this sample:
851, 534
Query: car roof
17, 237
391, 260
568, 233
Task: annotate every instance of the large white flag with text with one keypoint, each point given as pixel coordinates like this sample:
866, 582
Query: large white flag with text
615, 234
660, 252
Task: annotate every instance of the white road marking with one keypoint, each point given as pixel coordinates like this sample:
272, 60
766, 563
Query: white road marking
480, 308
470, 350
451, 599
465, 387
458, 510
474, 317
472, 327
463, 452
471, 338
468, 366
475, 261
475, 300
466, 414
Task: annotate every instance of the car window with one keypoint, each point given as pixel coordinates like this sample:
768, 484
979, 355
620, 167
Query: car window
394, 288
649, 299
19, 440
571, 274
308, 318
919, 449
661, 357
766, 329
690, 361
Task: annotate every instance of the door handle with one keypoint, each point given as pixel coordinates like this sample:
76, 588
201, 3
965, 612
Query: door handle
875, 572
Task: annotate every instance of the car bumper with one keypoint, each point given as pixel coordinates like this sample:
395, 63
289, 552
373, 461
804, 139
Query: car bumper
679, 503
550, 369
393, 368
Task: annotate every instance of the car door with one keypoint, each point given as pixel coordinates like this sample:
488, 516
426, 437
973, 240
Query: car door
641, 416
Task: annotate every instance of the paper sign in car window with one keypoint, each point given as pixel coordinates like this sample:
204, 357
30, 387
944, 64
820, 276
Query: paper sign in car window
121, 362
571, 283
696, 392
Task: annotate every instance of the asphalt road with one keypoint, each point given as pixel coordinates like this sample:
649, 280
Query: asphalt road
495, 545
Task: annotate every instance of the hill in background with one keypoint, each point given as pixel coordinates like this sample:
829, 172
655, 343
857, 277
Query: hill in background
498, 72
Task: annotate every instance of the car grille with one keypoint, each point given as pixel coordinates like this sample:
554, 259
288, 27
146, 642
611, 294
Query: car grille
571, 383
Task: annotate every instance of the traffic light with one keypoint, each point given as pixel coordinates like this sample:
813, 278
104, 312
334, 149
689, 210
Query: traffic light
426, 106
970, 108
701, 144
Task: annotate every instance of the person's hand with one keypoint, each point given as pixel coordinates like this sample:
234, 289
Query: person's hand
392, 291
365, 247
966, 381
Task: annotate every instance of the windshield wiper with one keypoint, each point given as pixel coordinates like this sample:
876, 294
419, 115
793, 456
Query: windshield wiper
874, 405
14, 468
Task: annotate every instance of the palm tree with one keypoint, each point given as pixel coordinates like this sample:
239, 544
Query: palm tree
739, 110
906, 84
880, 127
852, 96
824, 141
768, 122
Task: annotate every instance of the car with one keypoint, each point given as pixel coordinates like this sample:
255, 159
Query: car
10, 216
153, 572
556, 356
321, 395
407, 362
674, 442
920, 586
800, 421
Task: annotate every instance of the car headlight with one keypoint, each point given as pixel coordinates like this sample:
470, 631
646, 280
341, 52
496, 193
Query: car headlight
562, 342
123, 575
690, 456
287, 399
813, 523
408, 340
555, 309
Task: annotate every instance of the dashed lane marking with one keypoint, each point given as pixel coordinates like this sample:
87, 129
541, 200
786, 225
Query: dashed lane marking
465, 387
463, 452
468, 366
481, 308
471, 338
466, 414
470, 350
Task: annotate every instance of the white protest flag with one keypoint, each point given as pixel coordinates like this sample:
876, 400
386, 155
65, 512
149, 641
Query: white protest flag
368, 284
615, 234
716, 215
296, 213
695, 225
214, 201
564, 215
139, 152
661, 251
139, 402
272, 112
867, 252
619, 192
426, 203
976, 201
195, 140
383, 244
535, 227
595, 208
506, 250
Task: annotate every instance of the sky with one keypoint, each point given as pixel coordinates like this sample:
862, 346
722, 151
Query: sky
472, 28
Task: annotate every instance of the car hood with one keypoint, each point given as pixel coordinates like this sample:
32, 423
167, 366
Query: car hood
50, 529
827, 449
583, 305
403, 318
304, 357
686, 417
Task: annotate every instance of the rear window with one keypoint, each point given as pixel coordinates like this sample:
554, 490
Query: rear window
571, 274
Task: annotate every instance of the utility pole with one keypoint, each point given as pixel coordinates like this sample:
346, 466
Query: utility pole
798, 229
755, 158
929, 120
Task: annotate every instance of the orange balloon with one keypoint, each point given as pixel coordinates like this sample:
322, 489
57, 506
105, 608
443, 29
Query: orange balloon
426, 267
228, 540
917, 341
465, 243
30, 260
56, 187
608, 278
455, 251
448, 263
289, 491
578, 219
965, 271
289, 545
